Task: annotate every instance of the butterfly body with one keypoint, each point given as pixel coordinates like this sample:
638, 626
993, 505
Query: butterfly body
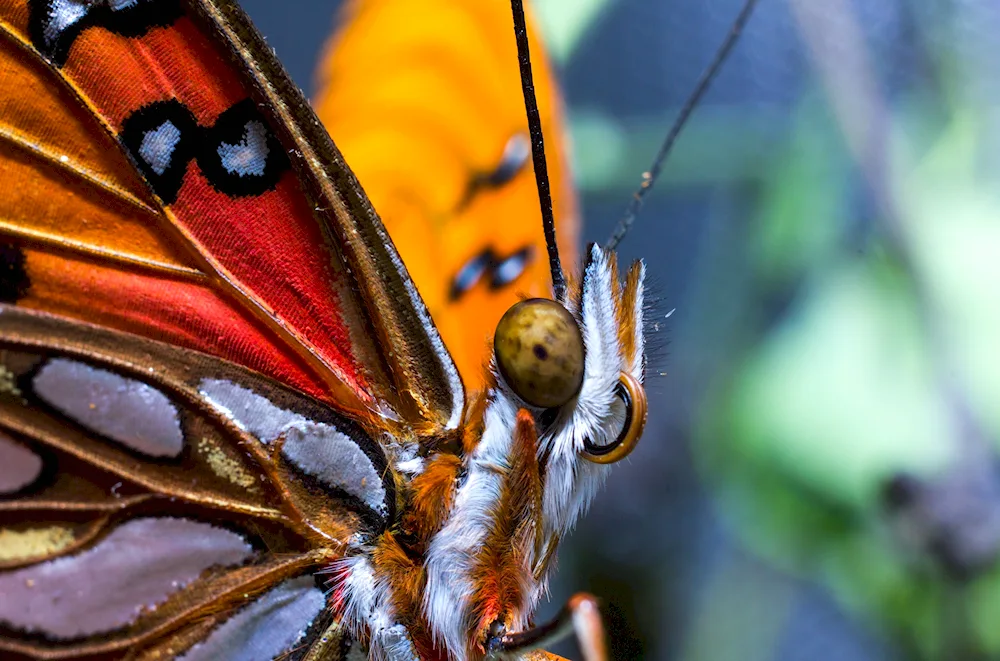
229, 428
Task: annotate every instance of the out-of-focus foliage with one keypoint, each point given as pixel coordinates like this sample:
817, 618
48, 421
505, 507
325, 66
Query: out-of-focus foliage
884, 363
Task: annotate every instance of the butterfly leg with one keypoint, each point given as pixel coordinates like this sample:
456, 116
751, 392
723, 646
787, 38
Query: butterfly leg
580, 615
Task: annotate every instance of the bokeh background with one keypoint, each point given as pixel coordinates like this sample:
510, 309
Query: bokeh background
818, 477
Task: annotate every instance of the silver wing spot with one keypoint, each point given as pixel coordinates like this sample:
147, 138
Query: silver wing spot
138, 566
158, 146
318, 449
249, 156
19, 466
62, 15
130, 412
267, 628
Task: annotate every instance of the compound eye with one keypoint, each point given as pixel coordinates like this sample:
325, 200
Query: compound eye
539, 350
633, 396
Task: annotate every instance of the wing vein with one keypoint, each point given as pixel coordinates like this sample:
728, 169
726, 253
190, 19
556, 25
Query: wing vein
217, 275
28, 430
121, 504
58, 242
66, 166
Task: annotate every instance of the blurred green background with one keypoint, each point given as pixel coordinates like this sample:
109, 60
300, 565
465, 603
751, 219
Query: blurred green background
818, 479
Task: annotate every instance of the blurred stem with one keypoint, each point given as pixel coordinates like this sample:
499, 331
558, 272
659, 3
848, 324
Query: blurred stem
865, 120
957, 642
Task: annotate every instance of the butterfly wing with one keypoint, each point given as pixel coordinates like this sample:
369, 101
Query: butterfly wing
164, 177
148, 493
441, 146
164, 181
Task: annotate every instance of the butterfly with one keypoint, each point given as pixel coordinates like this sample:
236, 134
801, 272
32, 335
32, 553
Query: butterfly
229, 427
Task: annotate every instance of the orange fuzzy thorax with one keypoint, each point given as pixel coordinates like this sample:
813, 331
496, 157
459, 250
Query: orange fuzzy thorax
502, 571
433, 492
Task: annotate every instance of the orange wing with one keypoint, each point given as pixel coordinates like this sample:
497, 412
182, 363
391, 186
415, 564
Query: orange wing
164, 177
441, 147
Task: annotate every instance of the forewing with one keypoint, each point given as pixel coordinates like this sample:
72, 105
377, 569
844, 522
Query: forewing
163, 177
154, 498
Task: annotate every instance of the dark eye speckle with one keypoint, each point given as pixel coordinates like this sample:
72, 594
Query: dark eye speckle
539, 351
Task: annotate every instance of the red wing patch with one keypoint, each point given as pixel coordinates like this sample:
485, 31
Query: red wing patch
236, 221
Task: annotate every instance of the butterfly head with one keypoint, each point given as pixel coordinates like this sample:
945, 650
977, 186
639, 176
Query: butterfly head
577, 365
566, 401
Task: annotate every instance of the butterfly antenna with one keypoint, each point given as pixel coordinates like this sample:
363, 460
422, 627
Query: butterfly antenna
707, 76
538, 150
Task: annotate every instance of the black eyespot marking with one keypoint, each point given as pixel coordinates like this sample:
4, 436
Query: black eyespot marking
161, 138
540, 352
54, 25
516, 154
510, 269
502, 271
239, 156
14, 282
470, 274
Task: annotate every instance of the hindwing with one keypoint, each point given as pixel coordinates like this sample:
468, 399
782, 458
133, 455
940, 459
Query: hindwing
149, 494
207, 342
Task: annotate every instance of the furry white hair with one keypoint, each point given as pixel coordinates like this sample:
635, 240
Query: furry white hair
596, 414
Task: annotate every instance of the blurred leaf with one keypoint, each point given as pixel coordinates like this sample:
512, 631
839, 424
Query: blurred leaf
848, 387
565, 22
805, 199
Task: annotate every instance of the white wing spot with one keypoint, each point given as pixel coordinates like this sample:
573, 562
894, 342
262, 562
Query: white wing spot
131, 412
136, 567
62, 15
267, 628
158, 146
249, 156
19, 466
317, 448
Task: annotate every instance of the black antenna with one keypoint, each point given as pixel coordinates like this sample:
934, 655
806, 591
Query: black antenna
650, 175
538, 150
